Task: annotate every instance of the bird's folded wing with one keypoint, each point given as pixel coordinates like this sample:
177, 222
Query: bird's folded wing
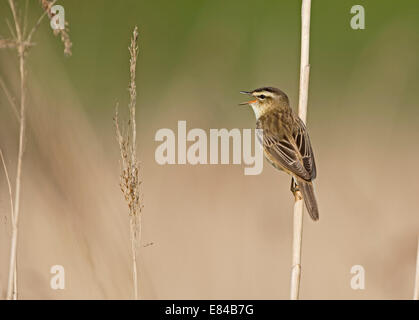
293, 152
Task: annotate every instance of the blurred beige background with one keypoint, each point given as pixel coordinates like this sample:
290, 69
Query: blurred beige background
216, 233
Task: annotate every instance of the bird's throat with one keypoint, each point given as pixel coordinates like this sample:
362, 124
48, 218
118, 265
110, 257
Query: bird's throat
259, 110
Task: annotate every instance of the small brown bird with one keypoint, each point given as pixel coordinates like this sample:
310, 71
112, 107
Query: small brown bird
285, 141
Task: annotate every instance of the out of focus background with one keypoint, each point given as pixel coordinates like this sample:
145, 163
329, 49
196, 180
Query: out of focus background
216, 233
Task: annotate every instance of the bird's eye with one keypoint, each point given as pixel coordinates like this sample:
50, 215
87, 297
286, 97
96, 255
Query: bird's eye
262, 96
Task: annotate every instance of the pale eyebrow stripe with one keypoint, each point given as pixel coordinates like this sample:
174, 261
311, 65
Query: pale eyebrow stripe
265, 93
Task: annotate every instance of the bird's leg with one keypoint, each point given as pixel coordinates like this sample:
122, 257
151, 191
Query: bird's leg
295, 189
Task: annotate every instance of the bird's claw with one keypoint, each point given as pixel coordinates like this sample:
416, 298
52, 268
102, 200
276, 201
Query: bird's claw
295, 189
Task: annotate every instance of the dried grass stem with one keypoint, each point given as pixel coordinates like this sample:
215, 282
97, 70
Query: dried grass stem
130, 181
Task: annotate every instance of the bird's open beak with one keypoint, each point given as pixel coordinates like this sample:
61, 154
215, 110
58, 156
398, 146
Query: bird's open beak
247, 102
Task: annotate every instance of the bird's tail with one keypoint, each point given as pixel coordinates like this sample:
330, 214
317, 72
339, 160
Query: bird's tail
307, 190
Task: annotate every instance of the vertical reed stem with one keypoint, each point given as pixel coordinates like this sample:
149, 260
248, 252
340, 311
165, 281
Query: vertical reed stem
302, 112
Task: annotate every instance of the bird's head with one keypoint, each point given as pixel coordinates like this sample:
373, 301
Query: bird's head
265, 99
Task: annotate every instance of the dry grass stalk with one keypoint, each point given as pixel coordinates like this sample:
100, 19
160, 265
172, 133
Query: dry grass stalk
64, 33
22, 43
130, 181
416, 290
302, 112
9, 186
21, 48
10, 98
7, 43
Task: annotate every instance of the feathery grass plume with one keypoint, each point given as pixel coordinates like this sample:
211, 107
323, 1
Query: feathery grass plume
22, 42
130, 181
64, 33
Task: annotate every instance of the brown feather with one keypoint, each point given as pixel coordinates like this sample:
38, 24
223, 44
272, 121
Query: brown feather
287, 147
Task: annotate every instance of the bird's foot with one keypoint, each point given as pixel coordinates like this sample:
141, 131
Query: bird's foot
295, 190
